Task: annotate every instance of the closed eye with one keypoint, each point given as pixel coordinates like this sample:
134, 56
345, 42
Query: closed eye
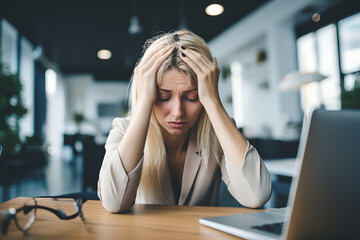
192, 99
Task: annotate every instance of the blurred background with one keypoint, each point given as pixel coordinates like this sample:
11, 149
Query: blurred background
66, 65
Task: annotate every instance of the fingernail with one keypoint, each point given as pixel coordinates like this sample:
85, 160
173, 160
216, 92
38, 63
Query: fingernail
183, 48
182, 54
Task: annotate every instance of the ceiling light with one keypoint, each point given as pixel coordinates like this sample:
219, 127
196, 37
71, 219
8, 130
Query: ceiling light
295, 80
104, 54
316, 17
214, 9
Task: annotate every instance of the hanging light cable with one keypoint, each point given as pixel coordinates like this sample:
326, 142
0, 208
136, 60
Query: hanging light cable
182, 16
134, 26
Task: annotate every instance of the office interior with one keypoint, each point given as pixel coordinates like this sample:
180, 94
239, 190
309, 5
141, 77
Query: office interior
63, 110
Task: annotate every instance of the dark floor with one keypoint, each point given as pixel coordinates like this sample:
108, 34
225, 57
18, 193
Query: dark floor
62, 175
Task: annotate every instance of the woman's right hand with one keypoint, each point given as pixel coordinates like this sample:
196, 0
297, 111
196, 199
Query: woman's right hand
145, 72
131, 146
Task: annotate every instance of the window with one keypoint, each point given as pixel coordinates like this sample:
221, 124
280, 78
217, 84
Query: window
317, 51
349, 38
9, 51
329, 66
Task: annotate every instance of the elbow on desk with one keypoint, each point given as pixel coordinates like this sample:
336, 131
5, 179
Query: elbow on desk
261, 200
257, 198
264, 193
125, 207
113, 207
254, 203
111, 203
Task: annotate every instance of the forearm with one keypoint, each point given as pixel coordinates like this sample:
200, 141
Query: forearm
116, 188
231, 140
131, 147
249, 184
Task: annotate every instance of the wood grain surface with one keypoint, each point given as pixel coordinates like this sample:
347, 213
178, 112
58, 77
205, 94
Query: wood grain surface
142, 221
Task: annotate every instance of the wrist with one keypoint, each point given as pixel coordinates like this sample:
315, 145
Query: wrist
213, 106
144, 105
211, 102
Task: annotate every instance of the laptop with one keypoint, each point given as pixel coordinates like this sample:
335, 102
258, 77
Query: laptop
324, 196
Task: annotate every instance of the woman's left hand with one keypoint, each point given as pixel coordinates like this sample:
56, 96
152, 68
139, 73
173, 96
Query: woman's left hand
207, 73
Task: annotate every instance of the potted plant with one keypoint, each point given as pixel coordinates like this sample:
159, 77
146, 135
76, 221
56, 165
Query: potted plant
11, 110
351, 98
78, 118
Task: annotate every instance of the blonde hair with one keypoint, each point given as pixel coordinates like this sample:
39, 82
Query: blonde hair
154, 162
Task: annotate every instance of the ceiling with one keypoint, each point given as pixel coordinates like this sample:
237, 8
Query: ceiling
71, 32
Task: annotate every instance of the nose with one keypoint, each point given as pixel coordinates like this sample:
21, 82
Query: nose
177, 108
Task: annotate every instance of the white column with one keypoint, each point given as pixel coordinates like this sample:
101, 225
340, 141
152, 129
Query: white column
281, 45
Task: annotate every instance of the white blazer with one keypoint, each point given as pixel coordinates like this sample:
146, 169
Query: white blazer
249, 184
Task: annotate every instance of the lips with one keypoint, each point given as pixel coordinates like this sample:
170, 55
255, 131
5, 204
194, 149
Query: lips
177, 124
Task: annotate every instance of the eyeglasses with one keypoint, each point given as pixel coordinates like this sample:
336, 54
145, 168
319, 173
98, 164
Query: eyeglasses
24, 217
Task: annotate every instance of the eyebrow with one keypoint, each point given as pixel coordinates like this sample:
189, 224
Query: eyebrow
165, 90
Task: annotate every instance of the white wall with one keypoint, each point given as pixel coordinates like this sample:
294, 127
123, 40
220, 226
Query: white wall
106, 92
264, 112
8, 49
9, 57
226, 95
27, 79
77, 88
252, 89
83, 94
282, 60
55, 113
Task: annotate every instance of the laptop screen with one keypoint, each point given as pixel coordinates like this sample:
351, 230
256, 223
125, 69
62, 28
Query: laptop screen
327, 189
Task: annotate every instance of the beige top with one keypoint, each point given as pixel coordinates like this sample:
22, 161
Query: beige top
249, 184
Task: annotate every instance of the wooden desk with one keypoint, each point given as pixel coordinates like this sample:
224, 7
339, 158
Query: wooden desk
141, 222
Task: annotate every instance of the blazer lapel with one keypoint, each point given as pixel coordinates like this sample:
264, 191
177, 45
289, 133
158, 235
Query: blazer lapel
192, 164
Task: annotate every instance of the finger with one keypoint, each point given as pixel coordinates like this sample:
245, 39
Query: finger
160, 60
195, 67
162, 55
216, 63
148, 55
198, 58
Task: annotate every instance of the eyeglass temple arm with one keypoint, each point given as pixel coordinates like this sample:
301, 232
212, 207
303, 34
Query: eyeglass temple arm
58, 212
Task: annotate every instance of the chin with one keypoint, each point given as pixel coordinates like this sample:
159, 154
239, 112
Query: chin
176, 132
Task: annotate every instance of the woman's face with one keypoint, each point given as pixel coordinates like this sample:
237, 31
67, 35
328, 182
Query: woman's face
177, 105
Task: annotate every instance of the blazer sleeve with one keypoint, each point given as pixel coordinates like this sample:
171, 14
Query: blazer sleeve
249, 184
117, 189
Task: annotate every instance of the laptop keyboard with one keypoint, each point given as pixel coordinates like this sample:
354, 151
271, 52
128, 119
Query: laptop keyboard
273, 228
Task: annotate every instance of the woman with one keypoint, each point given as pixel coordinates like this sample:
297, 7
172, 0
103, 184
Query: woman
178, 142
